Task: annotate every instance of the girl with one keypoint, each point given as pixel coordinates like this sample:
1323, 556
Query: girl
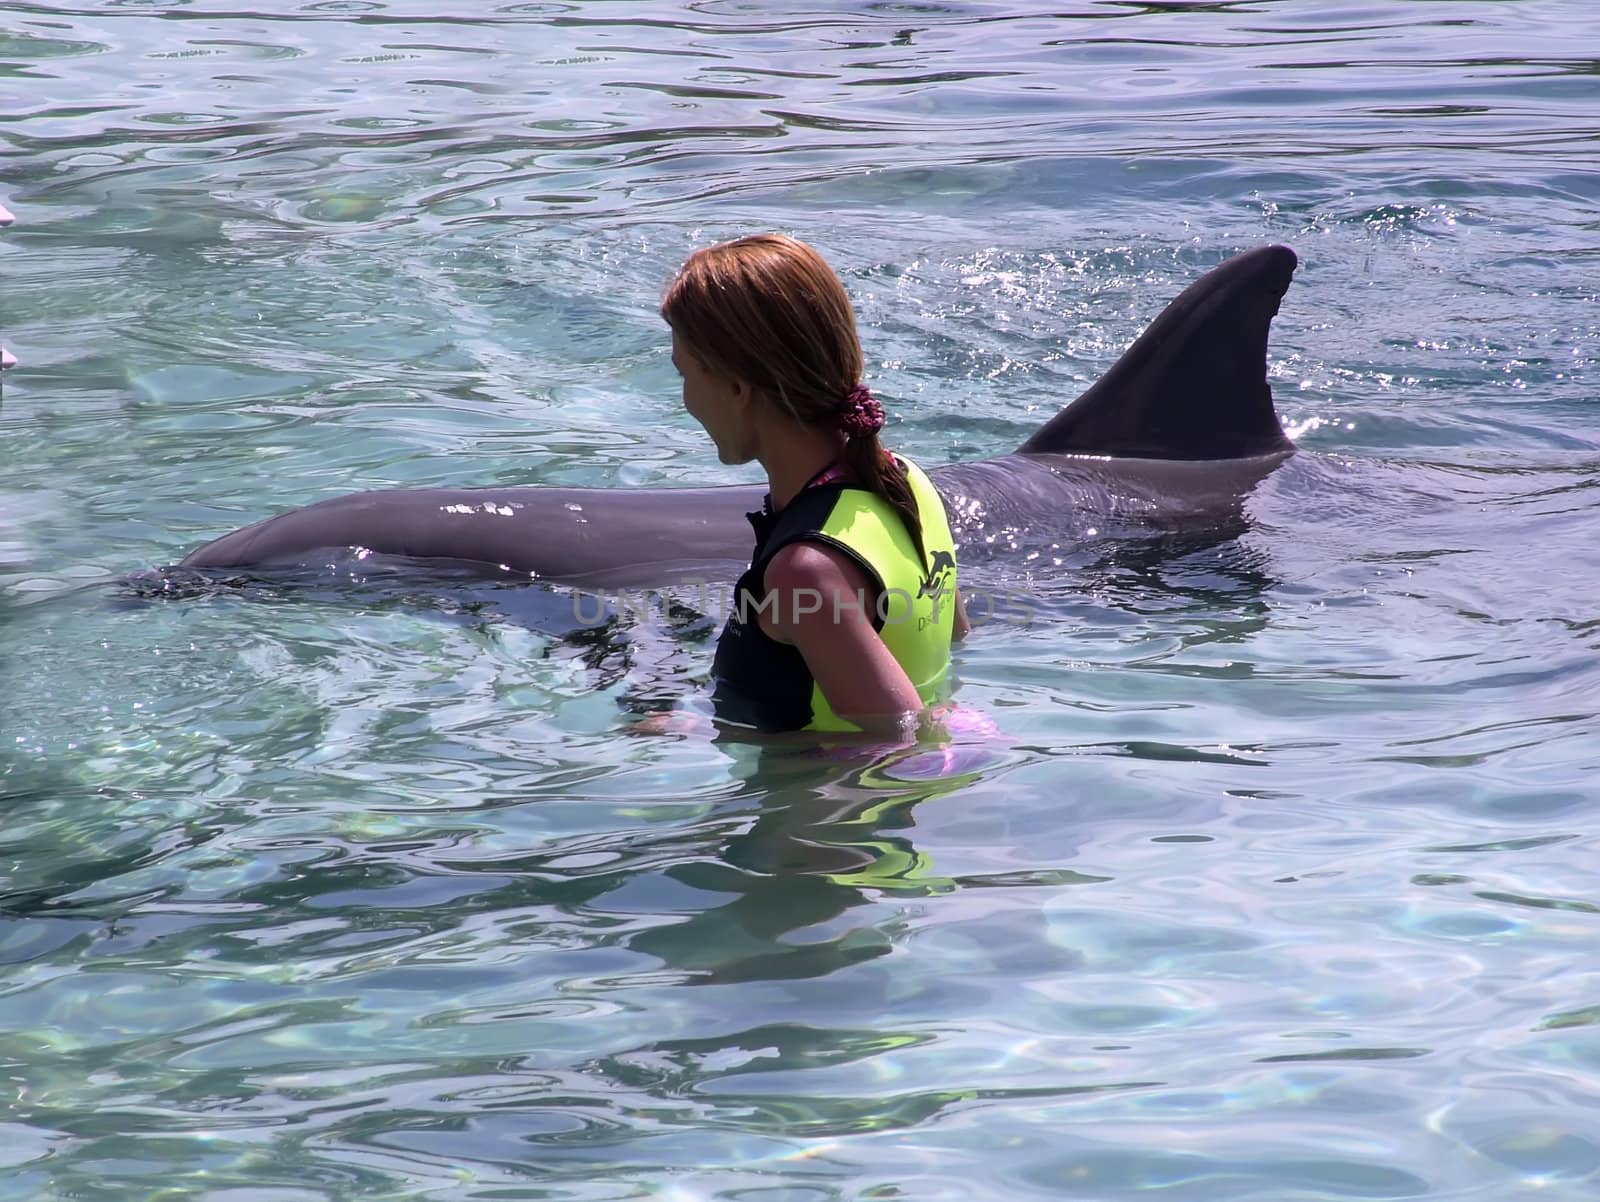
844, 619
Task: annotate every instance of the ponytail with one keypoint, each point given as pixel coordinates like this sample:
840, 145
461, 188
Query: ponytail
859, 419
881, 473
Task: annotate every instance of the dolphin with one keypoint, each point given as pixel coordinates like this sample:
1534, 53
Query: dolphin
1179, 429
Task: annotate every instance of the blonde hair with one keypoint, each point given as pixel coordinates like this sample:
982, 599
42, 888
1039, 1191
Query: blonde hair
768, 310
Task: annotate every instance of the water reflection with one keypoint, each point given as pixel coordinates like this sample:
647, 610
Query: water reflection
832, 833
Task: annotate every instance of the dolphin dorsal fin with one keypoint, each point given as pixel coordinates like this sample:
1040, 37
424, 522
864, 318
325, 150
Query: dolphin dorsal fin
1194, 384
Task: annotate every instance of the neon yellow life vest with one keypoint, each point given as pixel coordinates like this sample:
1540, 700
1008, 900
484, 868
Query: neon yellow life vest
917, 597
768, 681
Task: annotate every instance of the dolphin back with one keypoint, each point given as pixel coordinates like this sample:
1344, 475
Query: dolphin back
1194, 384
612, 536
1192, 388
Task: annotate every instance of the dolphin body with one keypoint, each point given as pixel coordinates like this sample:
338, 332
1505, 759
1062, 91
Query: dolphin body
1177, 431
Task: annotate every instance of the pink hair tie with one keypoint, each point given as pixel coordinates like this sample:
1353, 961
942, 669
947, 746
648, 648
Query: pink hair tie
860, 414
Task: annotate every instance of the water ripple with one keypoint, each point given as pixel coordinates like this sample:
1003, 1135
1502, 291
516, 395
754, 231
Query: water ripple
347, 885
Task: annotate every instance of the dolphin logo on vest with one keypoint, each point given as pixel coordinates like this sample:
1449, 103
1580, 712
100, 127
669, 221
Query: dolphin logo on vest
938, 574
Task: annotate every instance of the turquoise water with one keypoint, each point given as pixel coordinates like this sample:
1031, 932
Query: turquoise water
1282, 885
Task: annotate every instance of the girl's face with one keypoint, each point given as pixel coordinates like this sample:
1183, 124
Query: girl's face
719, 403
